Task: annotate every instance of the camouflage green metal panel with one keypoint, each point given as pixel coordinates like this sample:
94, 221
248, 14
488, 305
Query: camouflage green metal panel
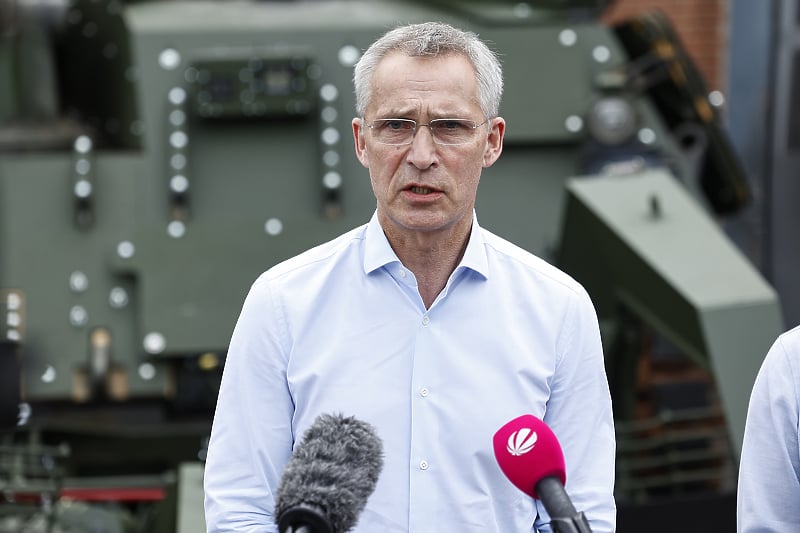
63, 268
552, 78
642, 242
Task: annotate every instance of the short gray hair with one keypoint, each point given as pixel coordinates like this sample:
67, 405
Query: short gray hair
433, 39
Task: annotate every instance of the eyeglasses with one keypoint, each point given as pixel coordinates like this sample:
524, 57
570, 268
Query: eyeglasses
445, 131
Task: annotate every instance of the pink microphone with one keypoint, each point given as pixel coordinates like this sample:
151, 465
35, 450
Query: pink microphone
527, 451
530, 456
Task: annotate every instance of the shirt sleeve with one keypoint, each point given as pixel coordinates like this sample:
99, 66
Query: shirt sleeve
251, 437
769, 469
580, 414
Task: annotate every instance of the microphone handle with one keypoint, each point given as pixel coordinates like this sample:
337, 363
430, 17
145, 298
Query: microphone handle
563, 516
576, 524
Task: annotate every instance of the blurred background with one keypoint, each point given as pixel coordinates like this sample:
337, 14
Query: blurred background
156, 156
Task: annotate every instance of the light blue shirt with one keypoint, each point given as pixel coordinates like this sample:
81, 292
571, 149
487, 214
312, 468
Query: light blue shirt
342, 328
769, 470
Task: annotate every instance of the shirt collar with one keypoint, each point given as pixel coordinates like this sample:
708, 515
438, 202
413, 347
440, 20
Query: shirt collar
378, 252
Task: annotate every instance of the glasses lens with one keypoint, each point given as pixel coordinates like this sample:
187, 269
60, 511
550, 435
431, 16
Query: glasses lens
452, 130
393, 130
445, 131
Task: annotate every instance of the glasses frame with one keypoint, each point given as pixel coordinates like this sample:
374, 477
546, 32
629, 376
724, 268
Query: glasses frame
417, 125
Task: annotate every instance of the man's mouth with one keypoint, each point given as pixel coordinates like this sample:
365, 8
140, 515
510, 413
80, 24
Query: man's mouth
420, 190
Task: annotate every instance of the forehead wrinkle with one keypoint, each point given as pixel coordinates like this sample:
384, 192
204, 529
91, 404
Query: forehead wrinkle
422, 109
416, 95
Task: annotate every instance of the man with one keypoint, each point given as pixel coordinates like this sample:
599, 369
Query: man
421, 323
769, 470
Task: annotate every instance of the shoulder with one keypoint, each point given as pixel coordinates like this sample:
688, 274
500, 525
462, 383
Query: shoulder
528, 266
785, 351
780, 369
790, 340
316, 259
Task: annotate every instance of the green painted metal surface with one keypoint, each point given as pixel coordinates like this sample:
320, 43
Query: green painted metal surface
643, 242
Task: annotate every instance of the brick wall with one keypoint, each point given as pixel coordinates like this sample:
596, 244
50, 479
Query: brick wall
700, 24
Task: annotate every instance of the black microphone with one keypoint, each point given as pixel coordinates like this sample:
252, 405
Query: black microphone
330, 476
530, 456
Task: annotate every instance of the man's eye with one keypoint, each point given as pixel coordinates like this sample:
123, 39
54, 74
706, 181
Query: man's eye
392, 125
450, 125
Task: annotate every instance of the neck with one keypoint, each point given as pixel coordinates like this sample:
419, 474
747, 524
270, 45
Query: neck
431, 256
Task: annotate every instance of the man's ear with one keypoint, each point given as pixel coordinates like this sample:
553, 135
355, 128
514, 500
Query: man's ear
494, 144
358, 139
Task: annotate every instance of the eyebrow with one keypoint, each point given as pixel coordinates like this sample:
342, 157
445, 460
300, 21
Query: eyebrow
397, 113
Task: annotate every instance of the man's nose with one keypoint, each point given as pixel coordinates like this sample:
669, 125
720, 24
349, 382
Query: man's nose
423, 148
419, 132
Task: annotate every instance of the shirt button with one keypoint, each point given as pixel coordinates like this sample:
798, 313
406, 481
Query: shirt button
425, 320
401, 273
424, 392
423, 465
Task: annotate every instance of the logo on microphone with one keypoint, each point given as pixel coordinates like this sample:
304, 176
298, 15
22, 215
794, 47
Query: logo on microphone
521, 441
